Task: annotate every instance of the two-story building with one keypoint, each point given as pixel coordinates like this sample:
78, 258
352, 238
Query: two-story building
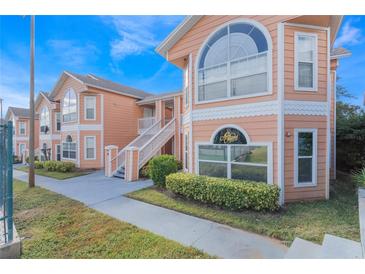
85, 113
259, 99
20, 118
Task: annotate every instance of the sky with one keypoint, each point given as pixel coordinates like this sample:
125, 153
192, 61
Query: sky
122, 49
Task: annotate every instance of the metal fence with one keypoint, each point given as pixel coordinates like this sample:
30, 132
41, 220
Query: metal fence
6, 182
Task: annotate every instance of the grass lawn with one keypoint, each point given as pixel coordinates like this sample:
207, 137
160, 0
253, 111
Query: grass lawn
55, 174
307, 220
54, 226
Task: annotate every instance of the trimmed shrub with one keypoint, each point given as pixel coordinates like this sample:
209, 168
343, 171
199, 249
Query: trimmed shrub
50, 165
38, 165
180, 165
35, 159
225, 193
160, 167
359, 177
145, 171
16, 159
65, 166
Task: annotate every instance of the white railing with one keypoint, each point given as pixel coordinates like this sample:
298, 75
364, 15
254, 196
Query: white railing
156, 142
145, 123
138, 142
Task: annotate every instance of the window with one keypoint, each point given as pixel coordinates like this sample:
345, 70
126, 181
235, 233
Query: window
21, 128
305, 155
305, 61
235, 62
90, 148
69, 106
58, 121
22, 148
45, 120
90, 107
186, 151
69, 149
231, 157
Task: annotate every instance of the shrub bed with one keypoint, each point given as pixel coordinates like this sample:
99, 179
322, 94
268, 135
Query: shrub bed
225, 193
161, 166
59, 166
38, 165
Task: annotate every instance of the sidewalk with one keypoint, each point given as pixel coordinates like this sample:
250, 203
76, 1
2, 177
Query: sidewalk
105, 195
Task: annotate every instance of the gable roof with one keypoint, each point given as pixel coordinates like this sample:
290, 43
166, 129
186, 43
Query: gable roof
177, 33
20, 112
91, 80
191, 20
339, 52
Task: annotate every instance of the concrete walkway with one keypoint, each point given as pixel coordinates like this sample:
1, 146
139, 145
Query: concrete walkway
105, 195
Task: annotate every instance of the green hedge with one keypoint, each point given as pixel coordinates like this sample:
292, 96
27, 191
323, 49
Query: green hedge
225, 193
59, 166
161, 166
38, 165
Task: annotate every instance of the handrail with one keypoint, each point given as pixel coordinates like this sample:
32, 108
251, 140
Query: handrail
160, 141
120, 157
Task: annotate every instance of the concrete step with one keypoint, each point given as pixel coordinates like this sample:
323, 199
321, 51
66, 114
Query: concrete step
302, 249
118, 175
334, 247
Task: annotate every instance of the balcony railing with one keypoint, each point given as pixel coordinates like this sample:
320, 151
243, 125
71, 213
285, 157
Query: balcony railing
145, 123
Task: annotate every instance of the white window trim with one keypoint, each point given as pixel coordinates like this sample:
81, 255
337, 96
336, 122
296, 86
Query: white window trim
269, 164
186, 82
269, 57
60, 146
186, 151
85, 148
93, 98
25, 128
56, 121
48, 123
315, 62
25, 148
69, 159
77, 107
314, 157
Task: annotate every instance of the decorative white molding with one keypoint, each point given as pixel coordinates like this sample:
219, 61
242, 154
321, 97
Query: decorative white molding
186, 118
23, 138
291, 107
236, 111
77, 127
305, 108
49, 137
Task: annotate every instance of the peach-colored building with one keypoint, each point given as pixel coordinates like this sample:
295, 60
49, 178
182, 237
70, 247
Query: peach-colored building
20, 118
82, 115
257, 103
259, 97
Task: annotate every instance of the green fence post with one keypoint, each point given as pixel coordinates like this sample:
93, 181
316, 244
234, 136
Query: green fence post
9, 188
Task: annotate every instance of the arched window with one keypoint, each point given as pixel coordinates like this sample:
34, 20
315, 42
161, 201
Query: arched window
235, 62
69, 106
231, 155
45, 120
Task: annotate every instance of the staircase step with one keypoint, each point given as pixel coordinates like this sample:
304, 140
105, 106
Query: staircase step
118, 175
340, 248
302, 249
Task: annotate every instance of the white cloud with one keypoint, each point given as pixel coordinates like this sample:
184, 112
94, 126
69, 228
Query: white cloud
136, 34
350, 35
72, 52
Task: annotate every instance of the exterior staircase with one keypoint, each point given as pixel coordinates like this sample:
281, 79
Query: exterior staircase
332, 247
148, 143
